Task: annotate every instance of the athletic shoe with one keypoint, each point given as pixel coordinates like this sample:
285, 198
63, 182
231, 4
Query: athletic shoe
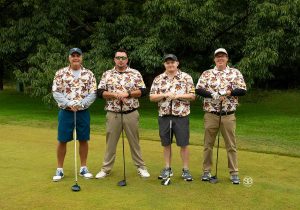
59, 174
235, 179
165, 173
85, 173
102, 174
186, 175
143, 172
206, 176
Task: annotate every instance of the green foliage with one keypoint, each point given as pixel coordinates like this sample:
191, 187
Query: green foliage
262, 37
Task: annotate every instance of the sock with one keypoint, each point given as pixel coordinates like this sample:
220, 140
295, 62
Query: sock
82, 167
60, 169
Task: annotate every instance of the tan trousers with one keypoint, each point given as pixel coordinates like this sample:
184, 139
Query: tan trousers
113, 132
228, 125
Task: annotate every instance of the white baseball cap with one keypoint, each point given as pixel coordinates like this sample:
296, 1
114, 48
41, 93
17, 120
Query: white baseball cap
221, 50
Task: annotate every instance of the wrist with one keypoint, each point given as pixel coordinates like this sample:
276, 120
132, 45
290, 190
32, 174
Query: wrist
129, 93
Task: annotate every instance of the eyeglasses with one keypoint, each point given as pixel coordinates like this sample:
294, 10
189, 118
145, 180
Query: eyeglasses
121, 58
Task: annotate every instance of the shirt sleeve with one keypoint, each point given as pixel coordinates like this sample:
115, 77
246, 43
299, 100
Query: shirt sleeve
190, 85
139, 81
239, 82
57, 90
57, 82
90, 98
154, 87
102, 83
201, 82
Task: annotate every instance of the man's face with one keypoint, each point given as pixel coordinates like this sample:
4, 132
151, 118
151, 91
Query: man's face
75, 59
171, 65
121, 59
221, 60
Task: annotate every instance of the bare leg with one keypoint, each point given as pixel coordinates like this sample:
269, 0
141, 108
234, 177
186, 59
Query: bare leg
61, 153
167, 155
83, 151
184, 152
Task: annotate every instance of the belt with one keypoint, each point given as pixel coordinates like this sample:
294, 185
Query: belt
125, 112
223, 113
69, 109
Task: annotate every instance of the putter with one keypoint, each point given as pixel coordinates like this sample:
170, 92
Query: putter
167, 181
214, 179
75, 187
122, 183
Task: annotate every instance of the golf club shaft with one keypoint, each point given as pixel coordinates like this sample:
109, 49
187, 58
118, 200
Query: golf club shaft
123, 147
75, 147
171, 136
220, 116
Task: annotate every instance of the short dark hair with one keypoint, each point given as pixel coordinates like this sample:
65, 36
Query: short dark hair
121, 50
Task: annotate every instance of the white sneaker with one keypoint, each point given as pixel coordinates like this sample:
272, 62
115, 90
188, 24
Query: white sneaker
59, 174
143, 173
102, 174
85, 173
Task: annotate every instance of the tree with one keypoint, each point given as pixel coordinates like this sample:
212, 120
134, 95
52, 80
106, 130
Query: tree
262, 37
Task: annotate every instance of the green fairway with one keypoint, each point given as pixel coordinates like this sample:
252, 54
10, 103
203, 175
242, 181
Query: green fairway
28, 156
267, 122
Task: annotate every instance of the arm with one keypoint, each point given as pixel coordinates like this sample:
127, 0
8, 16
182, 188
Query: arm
91, 97
238, 92
61, 99
187, 96
157, 97
204, 93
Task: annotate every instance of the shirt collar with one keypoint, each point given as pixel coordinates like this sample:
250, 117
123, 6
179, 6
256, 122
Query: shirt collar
226, 70
177, 75
126, 70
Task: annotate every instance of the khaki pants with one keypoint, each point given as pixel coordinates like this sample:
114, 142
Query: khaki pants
228, 125
113, 132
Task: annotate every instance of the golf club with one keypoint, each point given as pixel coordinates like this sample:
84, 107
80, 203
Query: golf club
75, 187
214, 179
167, 181
122, 183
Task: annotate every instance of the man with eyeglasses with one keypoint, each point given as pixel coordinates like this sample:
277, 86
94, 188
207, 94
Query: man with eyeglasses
121, 87
220, 88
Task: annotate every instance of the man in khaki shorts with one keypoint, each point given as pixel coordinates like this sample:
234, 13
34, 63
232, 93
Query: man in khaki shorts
121, 87
220, 86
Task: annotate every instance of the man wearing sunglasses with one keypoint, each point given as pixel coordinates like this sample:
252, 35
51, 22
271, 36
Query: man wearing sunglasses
121, 87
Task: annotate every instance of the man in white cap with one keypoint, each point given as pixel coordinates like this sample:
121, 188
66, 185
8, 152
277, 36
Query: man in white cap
220, 88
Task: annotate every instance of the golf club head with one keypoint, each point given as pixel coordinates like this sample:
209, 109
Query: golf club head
166, 182
122, 183
213, 180
76, 188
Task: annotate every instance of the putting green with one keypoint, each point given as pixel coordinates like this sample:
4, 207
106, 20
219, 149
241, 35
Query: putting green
29, 161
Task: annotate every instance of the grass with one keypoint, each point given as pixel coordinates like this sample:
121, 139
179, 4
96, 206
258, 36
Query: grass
28, 163
267, 122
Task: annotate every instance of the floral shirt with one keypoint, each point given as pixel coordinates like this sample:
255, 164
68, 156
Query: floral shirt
181, 83
214, 80
115, 81
74, 89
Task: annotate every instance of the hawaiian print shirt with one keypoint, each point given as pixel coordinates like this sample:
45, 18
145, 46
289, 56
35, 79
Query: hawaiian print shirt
214, 80
181, 83
115, 81
74, 89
